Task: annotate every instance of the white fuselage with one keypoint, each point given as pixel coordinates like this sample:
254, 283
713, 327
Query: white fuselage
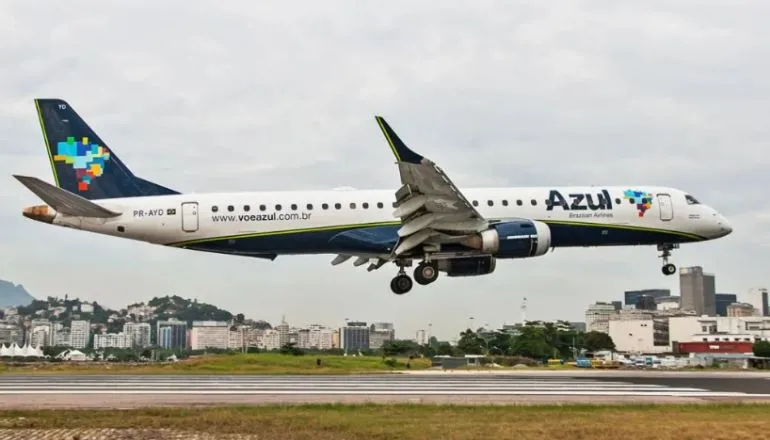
193, 218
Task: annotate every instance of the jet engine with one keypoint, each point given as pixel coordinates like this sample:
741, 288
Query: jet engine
467, 267
513, 239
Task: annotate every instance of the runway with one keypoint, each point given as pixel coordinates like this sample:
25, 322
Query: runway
98, 391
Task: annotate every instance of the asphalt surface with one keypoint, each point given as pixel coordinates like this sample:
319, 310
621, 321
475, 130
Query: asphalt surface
98, 391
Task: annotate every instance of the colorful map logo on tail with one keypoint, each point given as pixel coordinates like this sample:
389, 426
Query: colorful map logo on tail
88, 160
642, 199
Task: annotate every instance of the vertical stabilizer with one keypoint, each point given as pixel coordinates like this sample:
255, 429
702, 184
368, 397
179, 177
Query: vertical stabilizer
82, 162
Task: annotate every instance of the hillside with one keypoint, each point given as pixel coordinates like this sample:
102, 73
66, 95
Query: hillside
13, 295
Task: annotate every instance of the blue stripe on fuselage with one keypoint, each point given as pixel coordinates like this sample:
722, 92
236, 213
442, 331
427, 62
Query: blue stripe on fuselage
381, 239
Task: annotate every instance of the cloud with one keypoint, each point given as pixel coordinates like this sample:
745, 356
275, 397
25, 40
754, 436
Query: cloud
241, 96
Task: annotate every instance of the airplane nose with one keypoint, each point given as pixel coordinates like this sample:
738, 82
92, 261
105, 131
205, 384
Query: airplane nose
724, 226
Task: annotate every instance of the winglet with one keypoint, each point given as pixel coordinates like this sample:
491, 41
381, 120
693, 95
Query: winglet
64, 201
400, 150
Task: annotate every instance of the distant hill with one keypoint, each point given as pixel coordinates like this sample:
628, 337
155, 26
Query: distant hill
13, 295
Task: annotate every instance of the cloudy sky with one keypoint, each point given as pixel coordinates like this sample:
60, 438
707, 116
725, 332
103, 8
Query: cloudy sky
217, 96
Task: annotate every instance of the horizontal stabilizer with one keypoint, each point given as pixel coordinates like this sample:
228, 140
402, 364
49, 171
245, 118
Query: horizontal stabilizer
64, 201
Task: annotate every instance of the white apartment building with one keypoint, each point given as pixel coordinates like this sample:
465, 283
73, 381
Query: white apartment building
719, 328
598, 317
63, 338
658, 335
209, 334
646, 335
139, 333
112, 340
760, 299
271, 340
80, 333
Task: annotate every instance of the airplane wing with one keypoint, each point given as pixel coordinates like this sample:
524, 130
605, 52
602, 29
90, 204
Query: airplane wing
431, 208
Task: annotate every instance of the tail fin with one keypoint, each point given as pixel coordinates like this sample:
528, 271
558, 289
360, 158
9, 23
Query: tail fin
82, 163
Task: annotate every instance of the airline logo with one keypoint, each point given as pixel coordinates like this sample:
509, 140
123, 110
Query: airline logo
642, 199
88, 160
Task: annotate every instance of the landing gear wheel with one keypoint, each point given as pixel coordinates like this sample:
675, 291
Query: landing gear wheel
665, 249
425, 273
401, 284
669, 269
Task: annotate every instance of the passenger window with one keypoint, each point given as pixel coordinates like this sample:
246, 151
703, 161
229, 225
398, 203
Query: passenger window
475, 203
631, 200
617, 201
309, 206
293, 206
380, 205
518, 202
325, 206
490, 203
214, 208
262, 207
365, 205
534, 202
352, 206
231, 208
277, 207
505, 202
393, 204
337, 206
246, 208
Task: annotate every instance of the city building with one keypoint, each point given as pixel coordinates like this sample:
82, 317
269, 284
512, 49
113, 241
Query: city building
667, 303
283, 332
379, 333
758, 297
719, 329
171, 334
354, 336
139, 333
646, 302
80, 333
698, 290
740, 309
646, 336
722, 301
598, 317
209, 334
631, 297
11, 334
112, 340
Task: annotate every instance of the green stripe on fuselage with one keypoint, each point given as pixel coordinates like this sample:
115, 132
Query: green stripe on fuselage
398, 223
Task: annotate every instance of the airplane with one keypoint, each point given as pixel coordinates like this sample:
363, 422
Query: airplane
427, 219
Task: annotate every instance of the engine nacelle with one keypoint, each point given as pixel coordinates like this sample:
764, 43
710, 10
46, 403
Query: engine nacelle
513, 239
467, 267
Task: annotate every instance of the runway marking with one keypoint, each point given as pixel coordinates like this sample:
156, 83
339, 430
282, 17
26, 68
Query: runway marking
336, 386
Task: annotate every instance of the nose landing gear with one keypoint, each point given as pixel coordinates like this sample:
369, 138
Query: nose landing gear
665, 249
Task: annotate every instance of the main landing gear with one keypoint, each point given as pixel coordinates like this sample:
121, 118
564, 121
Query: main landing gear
665, 249
424, 274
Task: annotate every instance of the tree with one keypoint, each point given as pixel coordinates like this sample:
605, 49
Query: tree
762, 348
471, 343
595, 341
400, 347
531, 343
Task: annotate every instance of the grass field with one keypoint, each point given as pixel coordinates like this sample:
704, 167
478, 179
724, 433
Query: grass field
261, 363
404, 422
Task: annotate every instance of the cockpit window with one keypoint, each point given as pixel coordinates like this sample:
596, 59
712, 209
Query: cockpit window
691, 200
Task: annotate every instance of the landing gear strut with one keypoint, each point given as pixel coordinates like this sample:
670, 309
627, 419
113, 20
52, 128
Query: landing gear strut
426, 273
665, 249
401, 283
